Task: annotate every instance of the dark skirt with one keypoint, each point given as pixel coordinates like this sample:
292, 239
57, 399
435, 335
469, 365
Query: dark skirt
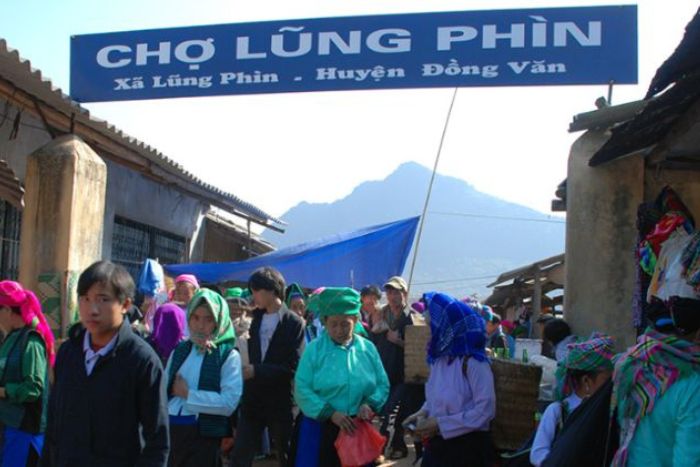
313, 443
190, 449
468, 450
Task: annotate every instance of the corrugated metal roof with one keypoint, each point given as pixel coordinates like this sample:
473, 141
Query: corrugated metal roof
525, 272
20, 73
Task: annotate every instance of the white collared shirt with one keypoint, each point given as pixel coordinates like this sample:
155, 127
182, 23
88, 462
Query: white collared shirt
267, 330
91, 356
547, 429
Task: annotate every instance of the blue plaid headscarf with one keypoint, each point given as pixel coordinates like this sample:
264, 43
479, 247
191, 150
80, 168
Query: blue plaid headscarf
456, 329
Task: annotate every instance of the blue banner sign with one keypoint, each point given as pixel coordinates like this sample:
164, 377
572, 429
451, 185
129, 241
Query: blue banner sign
544, 46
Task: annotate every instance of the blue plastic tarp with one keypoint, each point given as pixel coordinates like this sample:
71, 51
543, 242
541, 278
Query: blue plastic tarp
366, 256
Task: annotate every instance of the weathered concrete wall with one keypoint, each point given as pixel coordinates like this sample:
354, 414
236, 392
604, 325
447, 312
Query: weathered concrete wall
62, 221
601, 236
133, 196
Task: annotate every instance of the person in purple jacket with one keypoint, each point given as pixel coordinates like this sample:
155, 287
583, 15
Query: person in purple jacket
460, 398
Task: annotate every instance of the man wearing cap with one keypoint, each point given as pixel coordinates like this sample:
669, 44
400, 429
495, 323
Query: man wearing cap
390, 344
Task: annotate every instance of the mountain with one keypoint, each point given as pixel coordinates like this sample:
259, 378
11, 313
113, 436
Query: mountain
459, 254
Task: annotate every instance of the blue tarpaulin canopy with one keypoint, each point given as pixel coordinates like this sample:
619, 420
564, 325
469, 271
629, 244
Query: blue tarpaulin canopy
366, 256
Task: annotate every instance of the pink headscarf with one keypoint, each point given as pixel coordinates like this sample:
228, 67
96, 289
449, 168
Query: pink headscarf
12, 294
189, 278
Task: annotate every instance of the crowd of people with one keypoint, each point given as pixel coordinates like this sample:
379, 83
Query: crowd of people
216, 377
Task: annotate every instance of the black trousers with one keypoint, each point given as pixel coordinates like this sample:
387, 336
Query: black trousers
409, 398
251, 424
468, 450
189, 449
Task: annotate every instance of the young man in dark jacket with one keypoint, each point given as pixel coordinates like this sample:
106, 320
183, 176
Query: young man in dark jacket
275, 345
108, 406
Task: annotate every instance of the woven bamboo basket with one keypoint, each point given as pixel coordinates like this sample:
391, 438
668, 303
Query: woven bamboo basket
416, 340
517, 388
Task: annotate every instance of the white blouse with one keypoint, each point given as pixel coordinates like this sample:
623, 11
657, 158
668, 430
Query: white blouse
223, 402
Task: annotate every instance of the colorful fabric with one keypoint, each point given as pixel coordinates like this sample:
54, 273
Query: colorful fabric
651, 245
169, 326
669, 435
594, 354
338, 301
690, 260
223, 332
12, 294
642, 376
456, 329
189, 278
418, 307
508, 326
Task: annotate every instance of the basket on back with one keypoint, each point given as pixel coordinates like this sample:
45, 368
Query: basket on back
517, 389
415, 365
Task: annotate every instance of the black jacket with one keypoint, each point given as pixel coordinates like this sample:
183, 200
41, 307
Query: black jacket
271, 387
117, 416
392, 355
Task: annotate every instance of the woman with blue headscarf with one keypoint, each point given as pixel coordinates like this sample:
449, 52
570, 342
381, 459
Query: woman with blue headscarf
460, 398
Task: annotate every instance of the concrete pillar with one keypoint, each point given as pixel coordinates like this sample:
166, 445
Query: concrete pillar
601, 238
62, 223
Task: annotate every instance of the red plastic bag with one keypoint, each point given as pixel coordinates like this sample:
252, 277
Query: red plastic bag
361, 447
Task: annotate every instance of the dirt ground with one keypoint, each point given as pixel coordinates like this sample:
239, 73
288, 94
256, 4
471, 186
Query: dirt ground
407, 462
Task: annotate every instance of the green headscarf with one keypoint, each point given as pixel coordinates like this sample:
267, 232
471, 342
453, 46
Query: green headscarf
293, 291
338, 301
223, 332
234, 292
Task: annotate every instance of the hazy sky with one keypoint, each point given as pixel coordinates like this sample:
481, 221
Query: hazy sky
277, 150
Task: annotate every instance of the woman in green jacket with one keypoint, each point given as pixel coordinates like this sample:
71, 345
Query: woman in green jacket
340, 378
25, 356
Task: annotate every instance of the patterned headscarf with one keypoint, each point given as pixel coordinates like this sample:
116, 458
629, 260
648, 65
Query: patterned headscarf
456, 329
168, 328
223, 332
12, 294
594, 354
643, 374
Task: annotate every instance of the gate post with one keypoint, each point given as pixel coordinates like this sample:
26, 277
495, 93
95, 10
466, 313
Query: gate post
62, 224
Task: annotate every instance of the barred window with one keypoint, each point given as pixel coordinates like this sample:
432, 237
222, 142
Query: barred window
10, 227
133, 242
